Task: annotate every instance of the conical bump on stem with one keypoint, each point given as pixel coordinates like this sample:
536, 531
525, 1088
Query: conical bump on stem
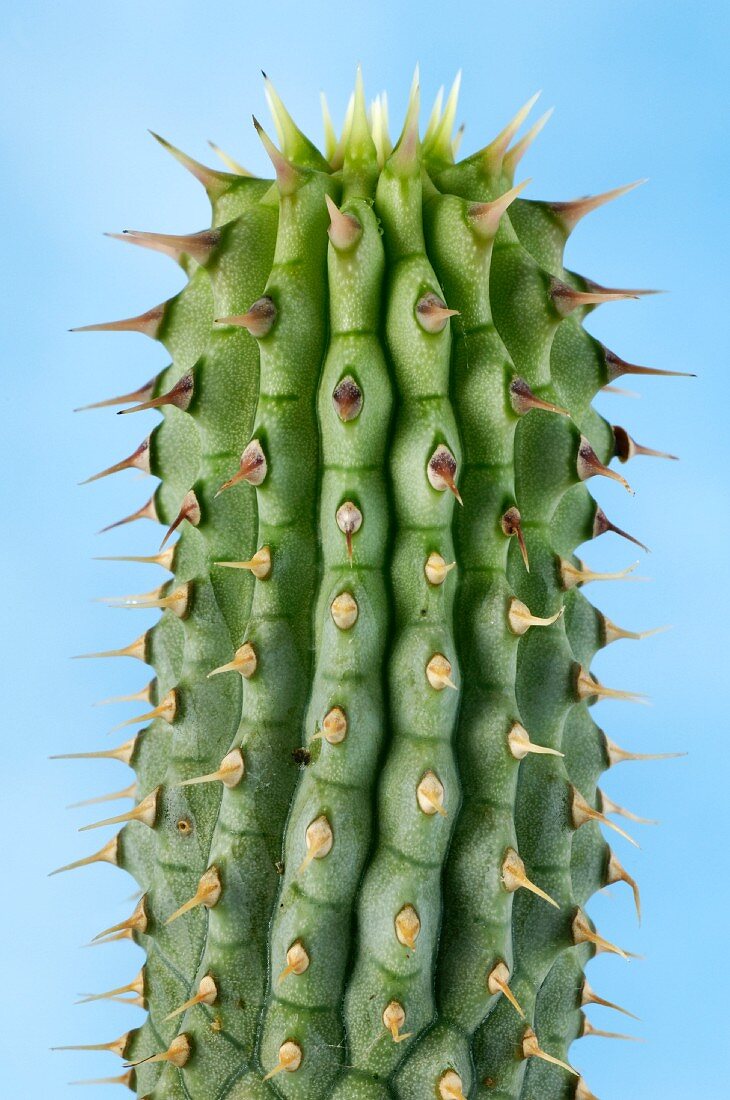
437, 569
451, 1086
347, 399
498, 982
626, 448
430, 794
433, 313
297, 961
145, 812
252, 469
290, 1059
484, 217
438, 673
334, 726
230, 773
138, 460
531, 1049
344, 610
520, 617
512, 527
208, 895
521, 746
344, 230
177, 1054
514, 877
441, 471
588, 464
207, 995
349, 521
244, 661
407, 926
126, 929
180, 396
318, 839
523, 400
394, 1018
259, 565
258, 319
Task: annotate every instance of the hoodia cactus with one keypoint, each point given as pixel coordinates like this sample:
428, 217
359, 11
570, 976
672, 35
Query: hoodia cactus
366, 819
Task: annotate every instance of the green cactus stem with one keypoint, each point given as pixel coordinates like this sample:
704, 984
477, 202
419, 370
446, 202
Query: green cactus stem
366, 816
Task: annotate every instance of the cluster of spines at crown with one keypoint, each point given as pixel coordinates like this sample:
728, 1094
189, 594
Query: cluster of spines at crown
366, 809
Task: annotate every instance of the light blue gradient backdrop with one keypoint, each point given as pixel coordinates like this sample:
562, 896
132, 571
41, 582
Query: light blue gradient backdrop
639, 90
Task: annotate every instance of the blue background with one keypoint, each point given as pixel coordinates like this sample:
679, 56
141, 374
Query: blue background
640, 91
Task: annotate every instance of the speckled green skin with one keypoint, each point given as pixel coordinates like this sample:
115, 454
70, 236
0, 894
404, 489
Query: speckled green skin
349, 309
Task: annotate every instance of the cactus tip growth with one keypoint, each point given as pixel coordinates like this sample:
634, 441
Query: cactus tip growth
366, 816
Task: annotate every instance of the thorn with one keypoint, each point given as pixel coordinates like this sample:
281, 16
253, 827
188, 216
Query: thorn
136, 649
142, 394
207, 894
588, 464
259, 564
123, 752
407, 926
347, 399
616, 873
430, 794
394, 1017
451, 1087
338, 158
590, 997
180, 395
456, 143
616, 755
520, 744
290, 1059
258, 319
514, 876
199, 246
404, 158
136, 923
144, 695
189, 510
215, 183
381, 137
206, 995
138, 460
616, 367
602, 523
165, 559
512, 525
441, 471
572, 577
493, 154
432, 313
582, 1092
252, 468
297, 147
233, 165
148, 324
589, 1029
344, 230
587, 687
122, 1079
626, 447
349, 521
582, 811
520, 617
437, 569
117, 1046
177, 1053
497, 982
147, 511
442, 142
523, 400
127, 792
145, 811
107, 854
434, 118
566, 298
344, 610
619, 391
297, 961
438, 673
330, 137
610, 807
531, 1049
288, 178
514, 155
230, 773
583, 933
570, 213
612, 633
484, 217
175, 601
165, 709
135, 986
244, 661
318, 839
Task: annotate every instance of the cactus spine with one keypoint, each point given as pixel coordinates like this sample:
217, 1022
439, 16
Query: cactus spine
366, 817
